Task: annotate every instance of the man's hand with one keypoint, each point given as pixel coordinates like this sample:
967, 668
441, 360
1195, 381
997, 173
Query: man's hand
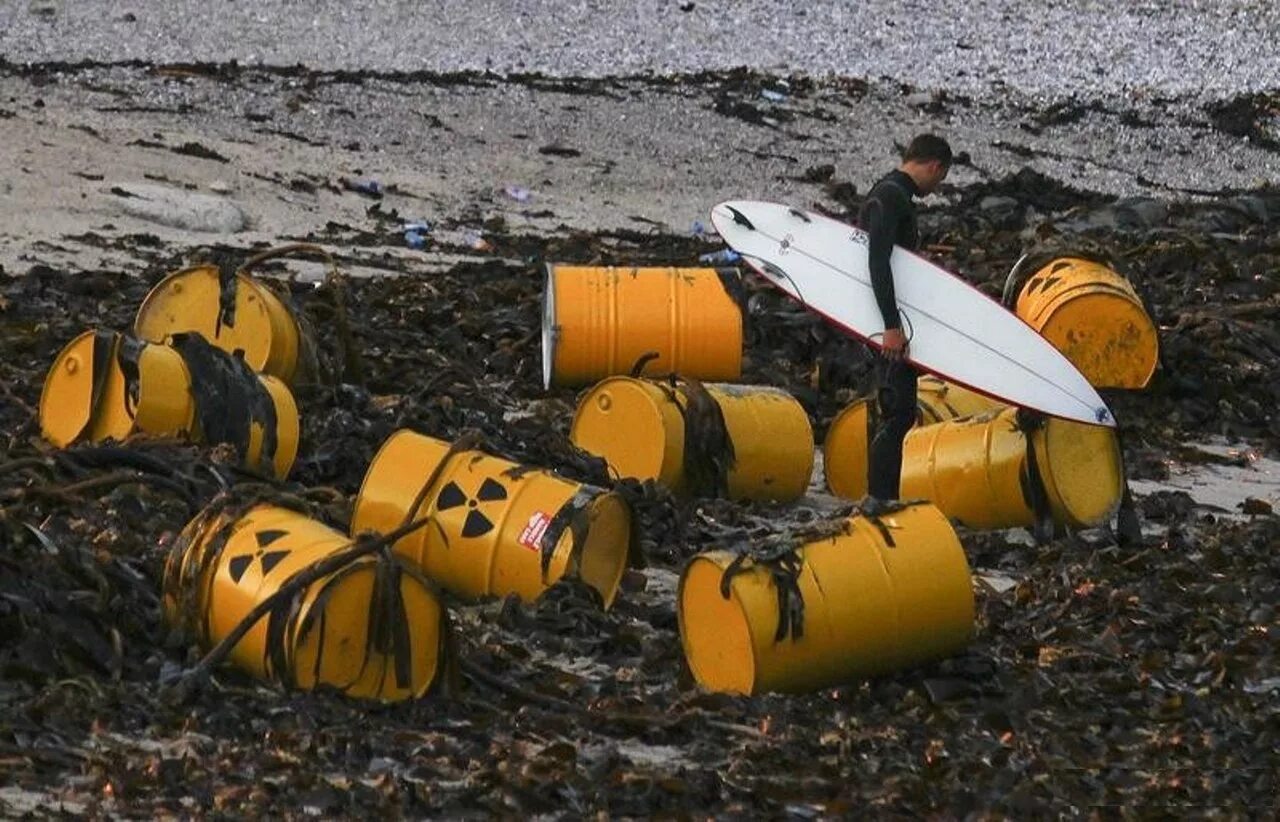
895, 344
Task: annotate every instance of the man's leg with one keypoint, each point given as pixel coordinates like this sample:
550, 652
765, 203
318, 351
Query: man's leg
897, 400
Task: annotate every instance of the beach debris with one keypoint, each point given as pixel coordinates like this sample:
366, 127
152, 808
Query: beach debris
734, 441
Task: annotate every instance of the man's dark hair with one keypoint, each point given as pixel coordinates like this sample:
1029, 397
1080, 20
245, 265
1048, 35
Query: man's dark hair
927, 147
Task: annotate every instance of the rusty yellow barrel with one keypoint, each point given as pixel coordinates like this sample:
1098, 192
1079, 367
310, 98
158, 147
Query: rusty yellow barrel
106, 385
1094, 317
846, 448
221, 569
977, 470
497, 528
599, 321
638, 427
869, 607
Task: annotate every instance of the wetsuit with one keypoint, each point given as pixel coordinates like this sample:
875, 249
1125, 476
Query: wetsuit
889, 218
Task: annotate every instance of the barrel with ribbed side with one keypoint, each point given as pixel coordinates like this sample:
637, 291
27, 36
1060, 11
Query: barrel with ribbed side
106, 385
870, 607
642, 428
599, 321
494, 522
223, 567
977, 470
846, 448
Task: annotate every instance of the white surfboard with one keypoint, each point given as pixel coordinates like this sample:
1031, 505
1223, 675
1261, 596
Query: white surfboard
954, 330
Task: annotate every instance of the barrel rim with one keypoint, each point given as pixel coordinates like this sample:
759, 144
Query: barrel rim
548, 326
642, 386
718, 560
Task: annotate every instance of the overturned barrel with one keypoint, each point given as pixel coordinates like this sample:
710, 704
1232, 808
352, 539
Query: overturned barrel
1008, 469
497, 528
738, 441
1094, 317
846, 448
600, 321
234, 311
890, 592
106, 385
370, 628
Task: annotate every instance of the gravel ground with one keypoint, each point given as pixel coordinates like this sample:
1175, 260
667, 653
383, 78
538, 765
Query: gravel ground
1078, 48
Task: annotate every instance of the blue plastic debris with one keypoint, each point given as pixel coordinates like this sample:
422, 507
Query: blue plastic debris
370, 187
698, 228
773, 96
721, 257
415, 239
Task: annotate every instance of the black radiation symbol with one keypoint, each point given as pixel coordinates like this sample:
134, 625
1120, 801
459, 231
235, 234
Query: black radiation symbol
476, 523
268, 559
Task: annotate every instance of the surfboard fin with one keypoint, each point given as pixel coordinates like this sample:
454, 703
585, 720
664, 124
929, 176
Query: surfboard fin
741, 219
795, 212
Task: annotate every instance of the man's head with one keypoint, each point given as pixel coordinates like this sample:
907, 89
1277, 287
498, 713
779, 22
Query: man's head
927, 161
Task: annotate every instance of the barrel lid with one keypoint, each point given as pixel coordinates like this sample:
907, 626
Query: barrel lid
548, 326
67, 401
845, 452
607, 545
189, 300
621, 419
714, 629
1084, 466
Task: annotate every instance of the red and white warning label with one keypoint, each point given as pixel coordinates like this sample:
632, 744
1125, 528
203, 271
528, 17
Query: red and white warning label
531, 536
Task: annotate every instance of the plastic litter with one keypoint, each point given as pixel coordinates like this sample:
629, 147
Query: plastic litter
519, 193
724, 256
773, 96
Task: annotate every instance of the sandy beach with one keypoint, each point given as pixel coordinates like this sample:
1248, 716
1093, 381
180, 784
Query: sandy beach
1105, 678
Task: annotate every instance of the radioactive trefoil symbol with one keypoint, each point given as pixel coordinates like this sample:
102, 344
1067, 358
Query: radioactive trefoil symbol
267, 559
476, 523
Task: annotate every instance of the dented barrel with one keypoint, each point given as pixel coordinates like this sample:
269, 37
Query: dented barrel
369, 629
989, 471
888, 593
600, 321
497, 528
106, 385
738, 441
1094, 317
846, 448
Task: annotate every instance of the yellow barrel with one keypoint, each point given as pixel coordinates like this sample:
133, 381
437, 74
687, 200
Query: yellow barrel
637, 426
1094, 317
261, 325
497, 528
976, 470
869, 608
106, 385
846, 449
220, 570
599, 321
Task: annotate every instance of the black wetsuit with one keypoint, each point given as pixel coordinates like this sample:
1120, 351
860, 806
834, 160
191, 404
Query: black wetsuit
889, 218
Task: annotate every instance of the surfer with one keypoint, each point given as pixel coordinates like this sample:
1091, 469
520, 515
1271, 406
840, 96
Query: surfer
889, 217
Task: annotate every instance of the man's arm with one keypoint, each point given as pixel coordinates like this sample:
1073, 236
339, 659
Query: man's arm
881, 224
